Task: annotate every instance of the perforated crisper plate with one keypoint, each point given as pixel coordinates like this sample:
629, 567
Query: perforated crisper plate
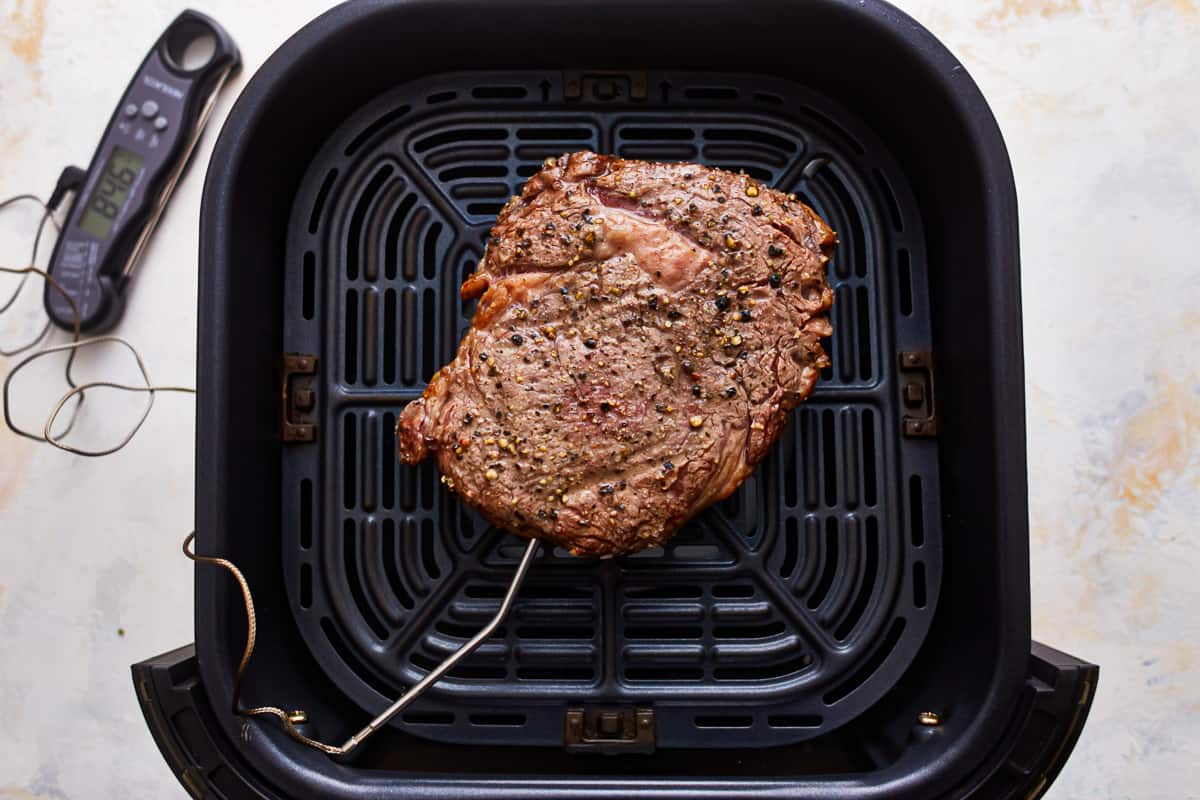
783, 612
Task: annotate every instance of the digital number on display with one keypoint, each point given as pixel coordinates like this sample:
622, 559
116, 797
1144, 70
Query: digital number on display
111, 192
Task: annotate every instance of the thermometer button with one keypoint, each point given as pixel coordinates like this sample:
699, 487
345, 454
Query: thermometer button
131, 110
149, 109
160, 123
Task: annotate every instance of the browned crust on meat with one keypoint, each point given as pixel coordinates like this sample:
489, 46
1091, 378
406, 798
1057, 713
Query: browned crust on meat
642, 332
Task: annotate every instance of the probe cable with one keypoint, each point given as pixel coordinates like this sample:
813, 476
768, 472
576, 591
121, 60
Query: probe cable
288, 719
72, 348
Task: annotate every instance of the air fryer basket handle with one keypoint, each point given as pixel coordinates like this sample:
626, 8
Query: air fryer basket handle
1058, 695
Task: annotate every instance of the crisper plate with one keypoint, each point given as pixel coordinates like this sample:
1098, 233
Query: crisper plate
780, 613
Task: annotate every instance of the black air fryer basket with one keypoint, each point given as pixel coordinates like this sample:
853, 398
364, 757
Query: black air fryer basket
853, 622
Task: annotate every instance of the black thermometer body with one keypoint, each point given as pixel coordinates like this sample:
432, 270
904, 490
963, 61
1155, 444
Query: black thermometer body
145, 149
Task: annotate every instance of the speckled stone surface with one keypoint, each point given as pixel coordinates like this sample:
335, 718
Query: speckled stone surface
1099, 102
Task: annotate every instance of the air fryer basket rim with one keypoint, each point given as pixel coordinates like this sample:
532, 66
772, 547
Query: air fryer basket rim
217, 505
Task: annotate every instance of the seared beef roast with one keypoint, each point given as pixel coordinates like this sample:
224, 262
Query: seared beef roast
642, 332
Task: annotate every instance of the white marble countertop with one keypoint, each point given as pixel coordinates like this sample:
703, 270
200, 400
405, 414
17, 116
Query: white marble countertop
1099, 101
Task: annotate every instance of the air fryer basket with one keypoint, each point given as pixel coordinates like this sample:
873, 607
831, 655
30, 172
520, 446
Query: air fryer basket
781, 613
873, 569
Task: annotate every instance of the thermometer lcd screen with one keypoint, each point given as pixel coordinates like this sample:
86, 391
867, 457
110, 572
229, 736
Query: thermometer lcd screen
111, 192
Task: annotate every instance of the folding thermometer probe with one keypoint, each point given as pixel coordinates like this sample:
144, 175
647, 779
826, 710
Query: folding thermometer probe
144, 151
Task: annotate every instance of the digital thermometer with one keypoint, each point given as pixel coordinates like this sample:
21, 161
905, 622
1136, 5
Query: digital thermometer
145, 149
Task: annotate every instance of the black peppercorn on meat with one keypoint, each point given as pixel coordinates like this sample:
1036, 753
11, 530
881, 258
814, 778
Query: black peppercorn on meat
642, 332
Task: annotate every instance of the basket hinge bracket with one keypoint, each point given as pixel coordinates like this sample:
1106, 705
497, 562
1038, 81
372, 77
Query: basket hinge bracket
609, 730
604, 86
917, 392
298, 398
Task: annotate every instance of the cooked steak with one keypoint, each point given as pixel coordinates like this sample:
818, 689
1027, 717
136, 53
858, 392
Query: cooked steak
642, 332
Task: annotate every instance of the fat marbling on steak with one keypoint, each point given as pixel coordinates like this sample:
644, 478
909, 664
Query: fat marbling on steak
642, 332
